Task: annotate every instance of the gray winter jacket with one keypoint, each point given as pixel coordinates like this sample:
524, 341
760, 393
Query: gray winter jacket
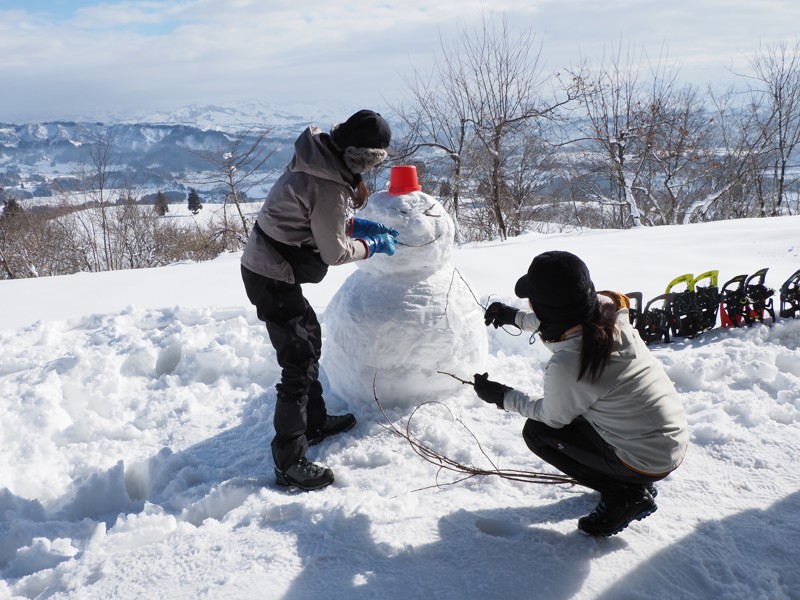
633, 405
307, 206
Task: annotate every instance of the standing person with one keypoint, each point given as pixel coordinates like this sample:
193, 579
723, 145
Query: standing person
608, 416
304, 226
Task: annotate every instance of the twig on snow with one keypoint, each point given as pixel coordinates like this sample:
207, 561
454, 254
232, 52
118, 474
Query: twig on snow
445, 463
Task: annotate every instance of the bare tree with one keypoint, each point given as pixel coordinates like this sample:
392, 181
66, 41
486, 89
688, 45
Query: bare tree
239, 168
648, 144
29, 245
774, 88
5, 220
100, 226
680, 154
527, 170
503, 82
437, 118
735, 158
485, 93
100, 180
616, 111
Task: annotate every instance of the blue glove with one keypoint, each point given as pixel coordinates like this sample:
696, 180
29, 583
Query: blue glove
383, 242
363, 227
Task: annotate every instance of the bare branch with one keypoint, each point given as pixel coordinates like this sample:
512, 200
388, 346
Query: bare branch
444, 463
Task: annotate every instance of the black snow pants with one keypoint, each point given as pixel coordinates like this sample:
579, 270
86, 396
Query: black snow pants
296, 335
580, 452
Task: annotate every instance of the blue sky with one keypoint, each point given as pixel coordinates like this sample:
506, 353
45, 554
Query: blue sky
56, 9
80, 58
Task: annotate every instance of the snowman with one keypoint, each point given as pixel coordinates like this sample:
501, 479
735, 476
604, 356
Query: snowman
399, 322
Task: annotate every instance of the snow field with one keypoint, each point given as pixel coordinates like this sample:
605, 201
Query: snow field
134, 450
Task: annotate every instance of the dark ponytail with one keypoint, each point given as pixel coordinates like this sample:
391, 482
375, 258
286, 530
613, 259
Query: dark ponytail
361, 194
598, 342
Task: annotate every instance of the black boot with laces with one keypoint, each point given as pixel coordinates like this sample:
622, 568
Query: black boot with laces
333, 424
304, 475
615, 512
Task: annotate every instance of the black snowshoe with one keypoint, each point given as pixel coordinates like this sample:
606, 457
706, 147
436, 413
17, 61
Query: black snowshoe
790, 296
760, 297
746, 299
655, 321
693, 310
734, 304
707, 299
634, 308
681, 307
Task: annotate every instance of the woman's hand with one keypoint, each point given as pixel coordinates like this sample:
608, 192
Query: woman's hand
363, 227
489, 391
499, 314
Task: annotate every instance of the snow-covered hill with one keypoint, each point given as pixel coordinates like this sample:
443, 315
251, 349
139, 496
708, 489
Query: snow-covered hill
137, 413
155, 150
245, 114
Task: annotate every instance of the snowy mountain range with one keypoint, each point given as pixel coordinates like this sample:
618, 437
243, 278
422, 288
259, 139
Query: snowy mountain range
163, 148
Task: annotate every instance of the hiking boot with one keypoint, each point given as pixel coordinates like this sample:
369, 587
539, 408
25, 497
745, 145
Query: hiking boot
615, 513
305, 475
333, 424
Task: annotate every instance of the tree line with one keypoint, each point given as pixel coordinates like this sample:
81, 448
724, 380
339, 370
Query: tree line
507, 147
615, 142
104, 223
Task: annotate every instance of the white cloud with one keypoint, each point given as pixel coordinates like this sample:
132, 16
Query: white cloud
164, 54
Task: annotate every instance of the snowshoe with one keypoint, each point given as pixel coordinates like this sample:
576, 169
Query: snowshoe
685, 316
790, 296
707, 299
694, 309
655, 321
759, 296
734, 304
635, 308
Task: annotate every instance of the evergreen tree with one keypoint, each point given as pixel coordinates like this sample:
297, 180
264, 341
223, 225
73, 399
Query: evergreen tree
194, 201
11, 208
161, 206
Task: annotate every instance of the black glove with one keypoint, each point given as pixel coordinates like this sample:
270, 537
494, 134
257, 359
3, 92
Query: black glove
490, 391
499, 314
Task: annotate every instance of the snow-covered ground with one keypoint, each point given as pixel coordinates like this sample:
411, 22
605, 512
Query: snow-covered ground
136, 414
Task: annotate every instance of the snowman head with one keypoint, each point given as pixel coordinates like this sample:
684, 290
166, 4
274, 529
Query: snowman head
426, 230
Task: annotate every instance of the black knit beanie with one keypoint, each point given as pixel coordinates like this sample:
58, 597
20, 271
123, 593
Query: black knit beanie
364, 129
561, 292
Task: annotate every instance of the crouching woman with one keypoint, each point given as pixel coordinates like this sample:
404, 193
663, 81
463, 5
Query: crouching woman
609, 416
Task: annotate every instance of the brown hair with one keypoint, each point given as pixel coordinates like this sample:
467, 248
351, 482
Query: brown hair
598, 342
361, 194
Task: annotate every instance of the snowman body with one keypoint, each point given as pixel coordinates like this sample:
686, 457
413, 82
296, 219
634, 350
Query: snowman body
399, 322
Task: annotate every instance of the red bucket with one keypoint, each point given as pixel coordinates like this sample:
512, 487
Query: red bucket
403, 179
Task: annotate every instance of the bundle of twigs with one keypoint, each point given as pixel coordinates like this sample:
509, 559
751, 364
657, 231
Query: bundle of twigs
446, 463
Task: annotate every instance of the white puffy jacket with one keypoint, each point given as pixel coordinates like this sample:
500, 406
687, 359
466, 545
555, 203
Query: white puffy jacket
633, 405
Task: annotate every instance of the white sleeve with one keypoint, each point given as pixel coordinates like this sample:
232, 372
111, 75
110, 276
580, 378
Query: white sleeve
562, 401
520, 402
526, 320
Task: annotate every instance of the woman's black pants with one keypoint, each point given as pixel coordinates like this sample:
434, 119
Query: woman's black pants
296, 335
579, 451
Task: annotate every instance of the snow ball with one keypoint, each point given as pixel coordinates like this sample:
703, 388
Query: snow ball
426, 232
